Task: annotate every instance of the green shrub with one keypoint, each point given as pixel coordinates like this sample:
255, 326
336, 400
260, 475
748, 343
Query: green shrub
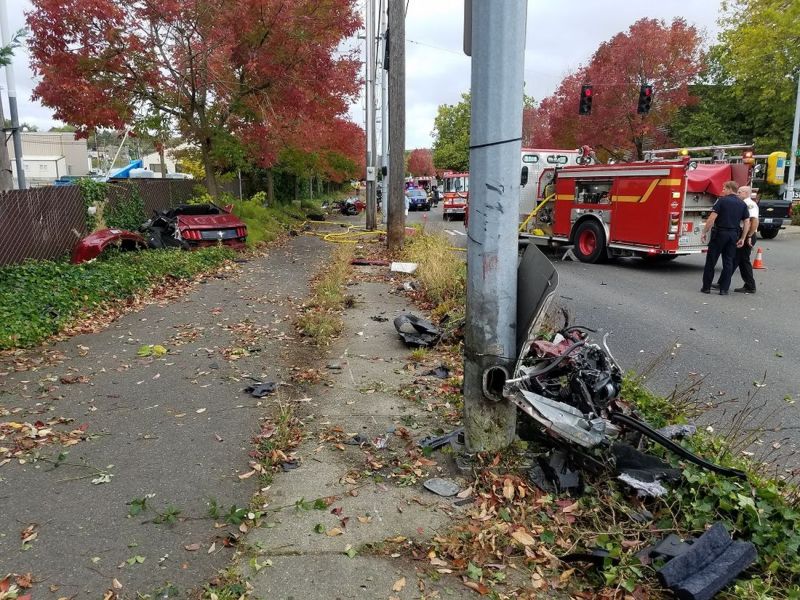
40, 298
265, 223
126, 212
93, 194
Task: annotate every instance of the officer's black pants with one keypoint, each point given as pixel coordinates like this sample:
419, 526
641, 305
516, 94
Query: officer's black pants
722, 243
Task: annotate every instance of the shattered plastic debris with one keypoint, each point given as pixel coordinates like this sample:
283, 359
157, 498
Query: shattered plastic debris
653, 489
416, 331
379, 318
441, 372
554, 475
713, 561
381, 441
357, 440
403, 267
442, 487
259, 390
642, 467
678, 431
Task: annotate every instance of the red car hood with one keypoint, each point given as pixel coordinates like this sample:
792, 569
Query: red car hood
225, 221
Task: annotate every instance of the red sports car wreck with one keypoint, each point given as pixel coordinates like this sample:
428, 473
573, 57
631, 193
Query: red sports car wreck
185, 226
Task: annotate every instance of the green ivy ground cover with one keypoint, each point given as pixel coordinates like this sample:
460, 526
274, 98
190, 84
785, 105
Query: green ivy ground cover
39, 298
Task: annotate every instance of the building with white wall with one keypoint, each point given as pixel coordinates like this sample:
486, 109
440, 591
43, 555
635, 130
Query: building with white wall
46, 156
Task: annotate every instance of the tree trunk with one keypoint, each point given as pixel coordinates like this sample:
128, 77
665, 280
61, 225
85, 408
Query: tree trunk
6, 175
162, 160
296, 187
270, 188
639, 151
211, 177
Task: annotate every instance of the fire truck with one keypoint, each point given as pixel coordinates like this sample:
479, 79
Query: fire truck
652, 209
455, 195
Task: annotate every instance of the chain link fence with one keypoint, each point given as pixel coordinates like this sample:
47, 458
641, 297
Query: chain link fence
40, 223
46, 222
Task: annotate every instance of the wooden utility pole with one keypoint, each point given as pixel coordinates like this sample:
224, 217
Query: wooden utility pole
395, 203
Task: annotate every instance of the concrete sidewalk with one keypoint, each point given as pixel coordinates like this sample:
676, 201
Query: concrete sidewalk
174, 430
372, 503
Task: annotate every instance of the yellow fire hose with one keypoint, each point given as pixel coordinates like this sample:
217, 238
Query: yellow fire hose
524, 225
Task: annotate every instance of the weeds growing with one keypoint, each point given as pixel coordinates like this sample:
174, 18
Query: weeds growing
321, 321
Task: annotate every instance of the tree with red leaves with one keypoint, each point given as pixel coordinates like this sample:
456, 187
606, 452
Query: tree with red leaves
239, 78
420, 162
667, 56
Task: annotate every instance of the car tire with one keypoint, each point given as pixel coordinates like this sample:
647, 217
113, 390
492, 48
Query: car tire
445, 217
590, 242
769, 233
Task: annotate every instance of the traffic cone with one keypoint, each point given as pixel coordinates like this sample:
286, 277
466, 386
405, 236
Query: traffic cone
758, 263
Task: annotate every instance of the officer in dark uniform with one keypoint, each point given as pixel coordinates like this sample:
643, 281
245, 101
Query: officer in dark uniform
727, 214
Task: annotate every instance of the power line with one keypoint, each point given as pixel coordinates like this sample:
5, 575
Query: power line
437, 48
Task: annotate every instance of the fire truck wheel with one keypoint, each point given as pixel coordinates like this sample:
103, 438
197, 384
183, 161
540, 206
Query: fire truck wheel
590, 242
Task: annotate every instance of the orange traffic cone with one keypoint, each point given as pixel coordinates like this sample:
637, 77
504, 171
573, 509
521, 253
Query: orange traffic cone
758, 263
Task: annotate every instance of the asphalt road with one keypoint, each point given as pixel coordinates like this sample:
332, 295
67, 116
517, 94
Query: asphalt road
656, 314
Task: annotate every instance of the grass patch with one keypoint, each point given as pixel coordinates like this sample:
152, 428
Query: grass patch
321, 321
40, 298
442, 273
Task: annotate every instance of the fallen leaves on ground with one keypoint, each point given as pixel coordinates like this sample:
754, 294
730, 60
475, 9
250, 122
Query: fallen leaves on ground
18, 439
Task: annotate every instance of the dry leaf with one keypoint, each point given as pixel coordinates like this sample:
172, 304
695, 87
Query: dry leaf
192, 547
508, 489
564, 577
365, 519
465, 493
523, 537
116, 584
478, 587
212, 548
399, 585
334, 532
438, 562
570, 508
397, 540
247, 475
200, 411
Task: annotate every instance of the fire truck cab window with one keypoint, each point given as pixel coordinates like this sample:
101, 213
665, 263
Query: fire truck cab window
557, 159
592, 192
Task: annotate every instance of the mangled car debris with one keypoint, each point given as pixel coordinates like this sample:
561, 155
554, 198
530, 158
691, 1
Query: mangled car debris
186, 226
570, 389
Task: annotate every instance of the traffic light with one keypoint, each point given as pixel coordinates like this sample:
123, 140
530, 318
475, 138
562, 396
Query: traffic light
585, 106
645, 99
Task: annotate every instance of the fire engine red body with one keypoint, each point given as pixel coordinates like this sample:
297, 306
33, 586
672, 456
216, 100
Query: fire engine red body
455, 195
647, 209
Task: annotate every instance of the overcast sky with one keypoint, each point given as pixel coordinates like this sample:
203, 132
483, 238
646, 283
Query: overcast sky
560, 36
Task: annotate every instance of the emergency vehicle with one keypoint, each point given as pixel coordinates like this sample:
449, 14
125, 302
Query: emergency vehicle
455, 194
536, 160
651, 209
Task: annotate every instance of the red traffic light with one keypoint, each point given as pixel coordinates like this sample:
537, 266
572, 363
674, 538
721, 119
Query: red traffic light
587, 91
648, 91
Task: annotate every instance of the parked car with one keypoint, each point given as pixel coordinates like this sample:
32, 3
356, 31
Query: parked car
185, 226
774, 214
418, 199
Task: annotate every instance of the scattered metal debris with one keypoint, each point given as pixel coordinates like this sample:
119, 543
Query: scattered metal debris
357, 440
708, 565
442, 487
416, 331
436, 442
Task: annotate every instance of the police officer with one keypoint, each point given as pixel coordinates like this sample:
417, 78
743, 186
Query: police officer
726, 236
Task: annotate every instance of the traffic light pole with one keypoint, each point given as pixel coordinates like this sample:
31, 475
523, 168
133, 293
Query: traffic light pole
795, 131
498, 50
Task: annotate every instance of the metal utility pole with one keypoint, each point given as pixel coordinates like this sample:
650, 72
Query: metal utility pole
6, 174
397, 124
12, 97
370, 99
795, 158
498, 50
